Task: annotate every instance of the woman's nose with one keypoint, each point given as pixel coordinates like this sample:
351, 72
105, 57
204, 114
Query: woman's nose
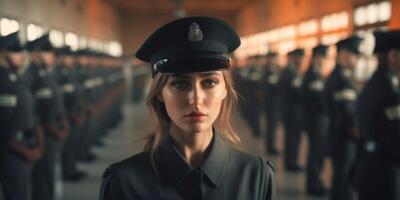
196, 95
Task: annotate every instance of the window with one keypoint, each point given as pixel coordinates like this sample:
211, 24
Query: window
56, 38
71, 40
335, 21
8, 26
82, 43
372, 13
115, 48
34, 31
309, 27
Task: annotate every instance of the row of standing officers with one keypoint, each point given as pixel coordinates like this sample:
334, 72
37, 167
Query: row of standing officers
356, 125
54, 105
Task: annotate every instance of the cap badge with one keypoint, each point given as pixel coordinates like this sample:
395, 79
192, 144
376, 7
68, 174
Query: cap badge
195, 33
159, 63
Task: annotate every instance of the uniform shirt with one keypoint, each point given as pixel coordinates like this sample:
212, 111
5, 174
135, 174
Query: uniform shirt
50, 104
16, 104
226, 174
379, 115
340, 97
271, 80
290, 86
8, 104
72, 90
313, 87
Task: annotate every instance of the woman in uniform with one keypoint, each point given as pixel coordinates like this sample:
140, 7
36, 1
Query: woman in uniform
191, 100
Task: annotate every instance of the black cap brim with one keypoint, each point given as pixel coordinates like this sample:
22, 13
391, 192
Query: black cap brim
195, 64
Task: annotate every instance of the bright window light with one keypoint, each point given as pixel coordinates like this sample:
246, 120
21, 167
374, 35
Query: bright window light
372, 13
56, 38
325, 23
115, 48
83, 43
286, 46
343, 19
360, 17
329, 39
34, 31
8, 26
71, 40
335, 21
385, 11
308, 27
308, 42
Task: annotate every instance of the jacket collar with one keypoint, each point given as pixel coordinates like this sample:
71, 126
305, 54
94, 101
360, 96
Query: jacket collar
173, 168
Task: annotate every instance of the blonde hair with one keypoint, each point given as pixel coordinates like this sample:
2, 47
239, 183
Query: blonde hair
162, 121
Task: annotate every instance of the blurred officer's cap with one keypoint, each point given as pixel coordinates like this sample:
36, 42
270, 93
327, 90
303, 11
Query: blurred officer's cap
11, 42
385, 41
63, 51
297, 52
351, 44
320, 50
271, 54
40, 44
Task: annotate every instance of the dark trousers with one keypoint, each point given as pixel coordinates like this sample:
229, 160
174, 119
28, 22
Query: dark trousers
253, 112
69, 159
343, 156
85, 137
272, 114
291, 117
44, 174
15, 176
316, 127
377, 177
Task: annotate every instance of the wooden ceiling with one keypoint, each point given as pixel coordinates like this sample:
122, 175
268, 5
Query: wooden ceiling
190, 6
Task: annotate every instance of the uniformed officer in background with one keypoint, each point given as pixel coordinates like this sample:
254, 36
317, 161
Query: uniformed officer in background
291, 107
140, 75
316, 119
271, 100
252, 95
25, 144
340, 98
378, 163
74, 104
50, 107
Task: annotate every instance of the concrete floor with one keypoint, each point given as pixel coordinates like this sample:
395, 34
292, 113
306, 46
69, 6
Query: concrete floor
125, 141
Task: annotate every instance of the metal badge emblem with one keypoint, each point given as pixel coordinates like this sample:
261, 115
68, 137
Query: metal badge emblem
42, 73
158, 64
395, 82
12, 77
195, 33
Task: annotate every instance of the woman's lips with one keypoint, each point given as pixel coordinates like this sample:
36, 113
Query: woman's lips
196, 116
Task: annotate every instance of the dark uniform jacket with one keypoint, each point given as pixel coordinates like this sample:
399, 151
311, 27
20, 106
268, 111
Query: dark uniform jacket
313, 87
379, 150
73, 92
16, 106
8, 104
271, 89
226, 174
290, 89
340, 97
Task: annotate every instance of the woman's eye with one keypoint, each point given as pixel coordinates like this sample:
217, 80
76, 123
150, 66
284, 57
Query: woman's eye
209, 83
180, 84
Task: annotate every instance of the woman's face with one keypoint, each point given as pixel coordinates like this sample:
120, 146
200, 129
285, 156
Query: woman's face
193, 101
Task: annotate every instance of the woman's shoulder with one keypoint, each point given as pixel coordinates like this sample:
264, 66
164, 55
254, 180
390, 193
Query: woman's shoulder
258, 172
136, 164
245, 160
